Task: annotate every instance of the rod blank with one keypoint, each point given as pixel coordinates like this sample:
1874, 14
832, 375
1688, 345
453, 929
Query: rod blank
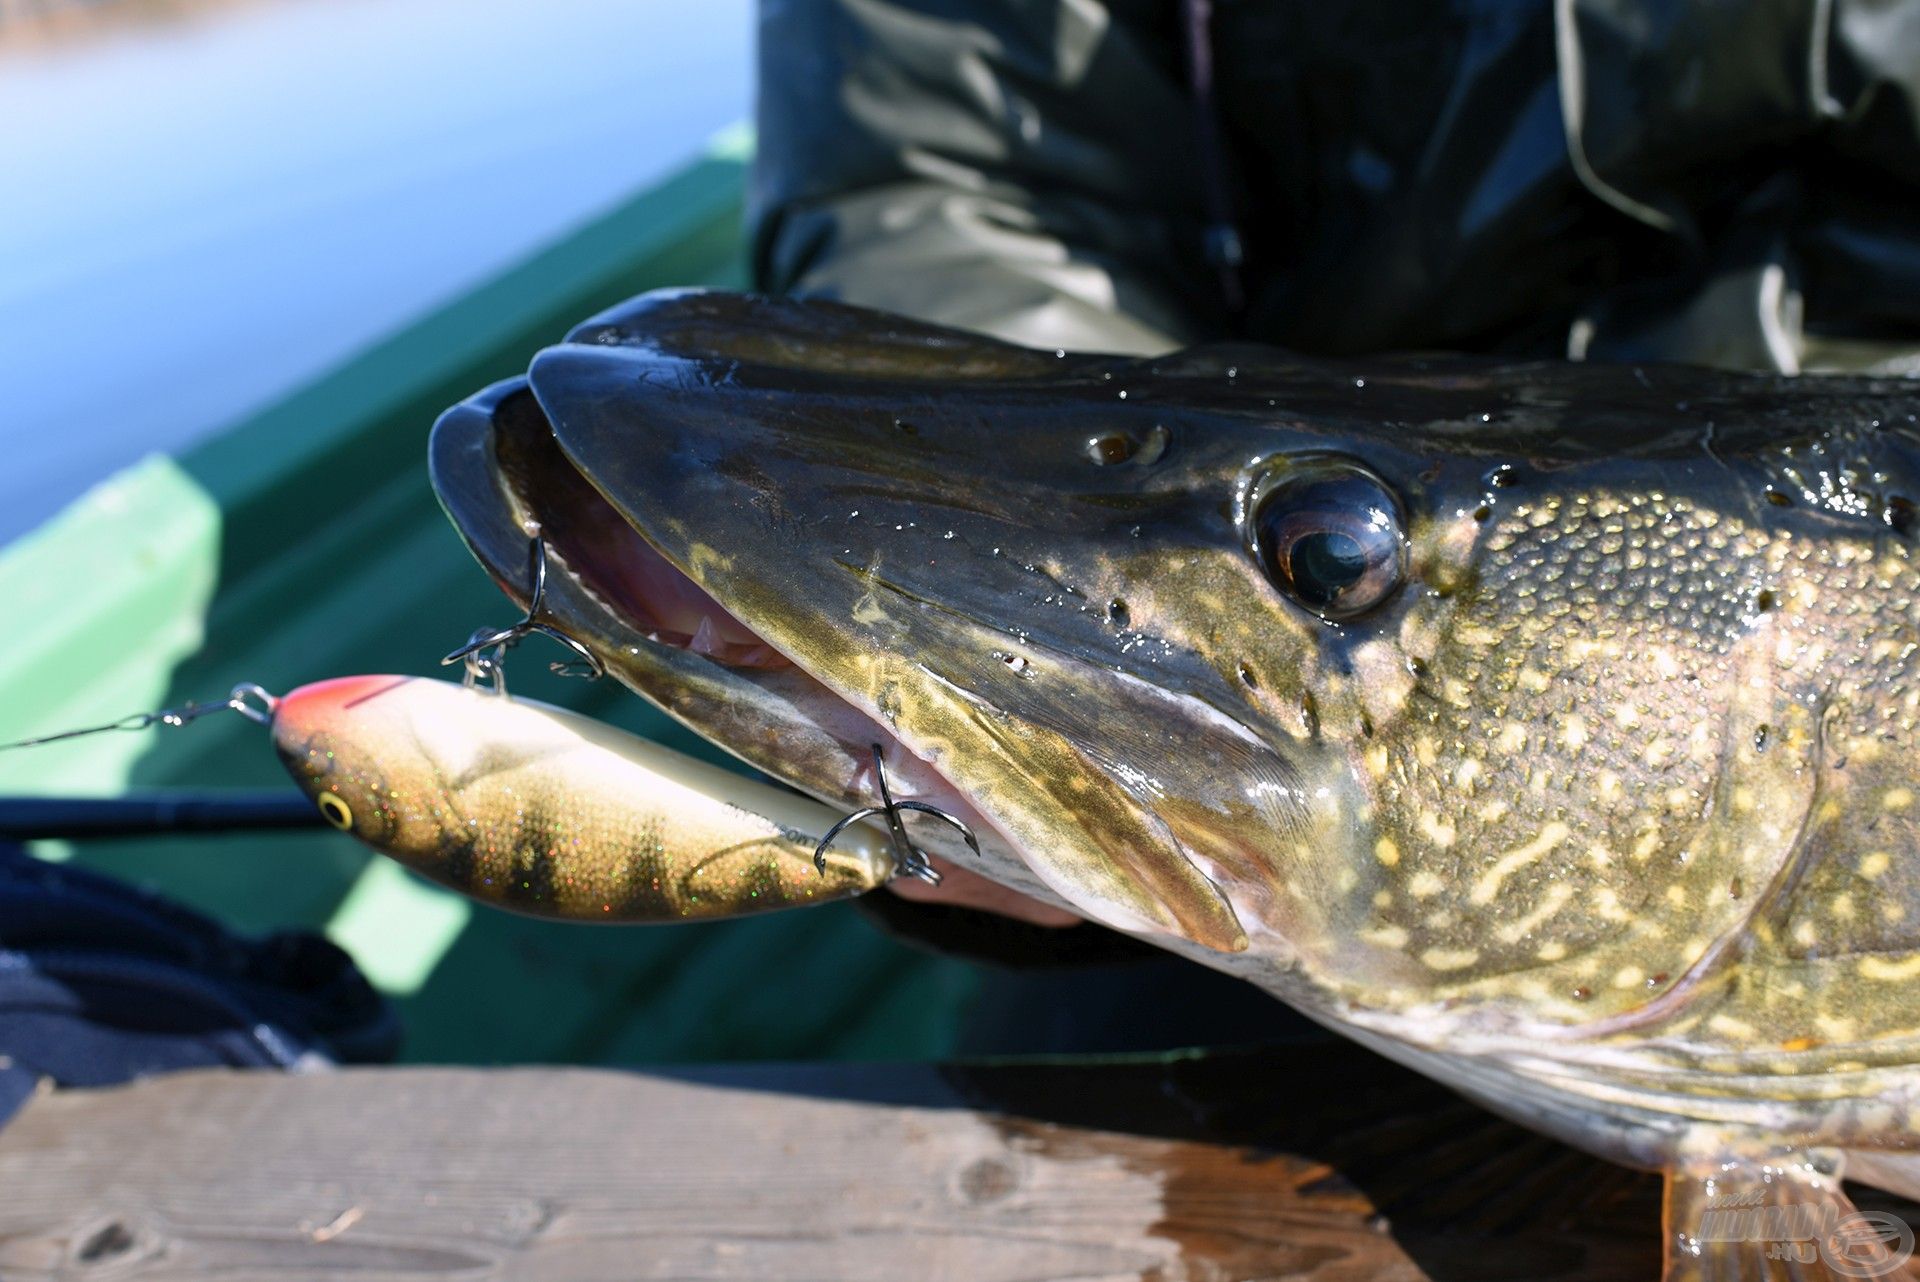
150, 814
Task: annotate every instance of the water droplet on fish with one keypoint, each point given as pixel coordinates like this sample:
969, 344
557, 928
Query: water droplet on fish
1233, 371
1359, 382
1123, 393
1486, 418
1016, 662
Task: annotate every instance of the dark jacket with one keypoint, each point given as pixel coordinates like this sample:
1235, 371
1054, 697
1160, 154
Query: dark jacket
1729, 183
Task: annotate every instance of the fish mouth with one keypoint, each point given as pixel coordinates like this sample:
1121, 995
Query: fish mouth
504, 480
732, 532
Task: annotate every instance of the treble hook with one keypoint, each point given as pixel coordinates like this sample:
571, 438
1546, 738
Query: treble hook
500, 640
910, 861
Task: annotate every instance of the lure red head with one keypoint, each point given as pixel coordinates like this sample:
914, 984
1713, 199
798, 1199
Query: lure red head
331, 703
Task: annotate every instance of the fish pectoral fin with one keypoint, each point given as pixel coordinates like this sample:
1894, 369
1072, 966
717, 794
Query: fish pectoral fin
1779, 1216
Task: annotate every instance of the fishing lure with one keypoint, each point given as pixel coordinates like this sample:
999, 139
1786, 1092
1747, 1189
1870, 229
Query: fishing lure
547, 812
520, 804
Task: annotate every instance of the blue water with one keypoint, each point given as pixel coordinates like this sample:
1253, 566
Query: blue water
197, 217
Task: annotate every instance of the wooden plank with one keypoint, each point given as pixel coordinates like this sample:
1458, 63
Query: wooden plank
1316, 1163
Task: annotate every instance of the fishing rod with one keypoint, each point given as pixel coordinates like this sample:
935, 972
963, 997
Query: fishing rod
156, 813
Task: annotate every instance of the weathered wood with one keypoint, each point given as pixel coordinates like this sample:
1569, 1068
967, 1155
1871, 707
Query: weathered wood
1316, 1162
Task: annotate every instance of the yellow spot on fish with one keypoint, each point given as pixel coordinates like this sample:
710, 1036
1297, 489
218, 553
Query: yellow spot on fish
1489, 882
1550, 903
1449, 958
1728, 1026
1626, 716
1875, 863
1882, 969
1437, 829
1494, 811
1573, 732
1896, 799
1648, 843
1386, 936
1836, 1029
1383, 899
1377, 761
1629, 977
1551, 951
1424, 751
1608, 784
1386, 851
1512, 739
1843, 906
1677, 895
1804, 934
1466, 774
1425, 885
1534, 681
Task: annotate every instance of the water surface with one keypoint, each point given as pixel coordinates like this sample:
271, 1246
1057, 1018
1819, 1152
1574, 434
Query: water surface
198, 216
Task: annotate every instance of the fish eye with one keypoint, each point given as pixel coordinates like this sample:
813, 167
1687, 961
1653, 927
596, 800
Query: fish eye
1329, 534
334, 810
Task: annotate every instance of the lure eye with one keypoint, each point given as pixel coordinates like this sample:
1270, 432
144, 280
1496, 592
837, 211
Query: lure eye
335, 811
1330, 534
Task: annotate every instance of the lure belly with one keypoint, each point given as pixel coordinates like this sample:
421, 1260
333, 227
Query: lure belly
543, 811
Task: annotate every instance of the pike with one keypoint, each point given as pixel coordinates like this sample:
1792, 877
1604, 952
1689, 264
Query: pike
1549, 728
